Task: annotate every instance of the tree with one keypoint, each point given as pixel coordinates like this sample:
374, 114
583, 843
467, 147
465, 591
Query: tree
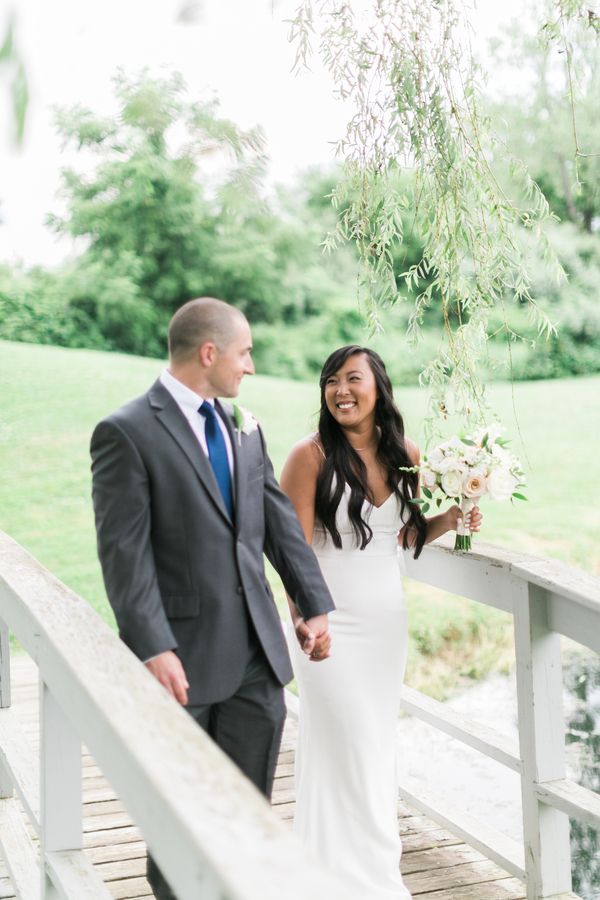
408, 71
150, 225
159, 231
552, 123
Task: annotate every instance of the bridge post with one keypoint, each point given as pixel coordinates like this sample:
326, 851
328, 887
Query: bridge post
60, 784
542, 742
4, 665
6, 787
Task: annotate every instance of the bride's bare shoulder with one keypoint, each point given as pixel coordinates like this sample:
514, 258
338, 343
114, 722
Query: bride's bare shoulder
308, 453
413, 451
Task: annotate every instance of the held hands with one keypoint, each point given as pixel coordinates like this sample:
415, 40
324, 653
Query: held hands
473, 519
167, 668
313, 637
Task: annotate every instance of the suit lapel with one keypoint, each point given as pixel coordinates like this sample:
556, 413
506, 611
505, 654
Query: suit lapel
172, 419
239, 466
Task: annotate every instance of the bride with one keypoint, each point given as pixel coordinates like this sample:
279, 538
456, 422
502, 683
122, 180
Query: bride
353, 502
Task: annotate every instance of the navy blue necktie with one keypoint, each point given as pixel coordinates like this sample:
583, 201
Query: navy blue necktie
217, 454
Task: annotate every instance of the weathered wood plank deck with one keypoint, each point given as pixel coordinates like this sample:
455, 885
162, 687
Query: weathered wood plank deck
436, 864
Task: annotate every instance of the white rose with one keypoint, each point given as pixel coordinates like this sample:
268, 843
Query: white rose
428, 478
434, 459
501, 455
470, 455
452, 483
449, 464
501, 484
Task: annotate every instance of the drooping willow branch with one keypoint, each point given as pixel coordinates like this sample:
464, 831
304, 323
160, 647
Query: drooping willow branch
567, 17
12, 68
406, 68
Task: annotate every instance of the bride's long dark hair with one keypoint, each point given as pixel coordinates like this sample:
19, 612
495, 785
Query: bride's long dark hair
343, 465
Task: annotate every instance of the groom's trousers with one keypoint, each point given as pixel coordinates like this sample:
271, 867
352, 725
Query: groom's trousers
248, 727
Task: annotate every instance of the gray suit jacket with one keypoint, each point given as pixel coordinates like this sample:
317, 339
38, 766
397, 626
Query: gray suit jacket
179, 573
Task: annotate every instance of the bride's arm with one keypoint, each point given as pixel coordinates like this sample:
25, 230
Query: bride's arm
299, 481
443, 522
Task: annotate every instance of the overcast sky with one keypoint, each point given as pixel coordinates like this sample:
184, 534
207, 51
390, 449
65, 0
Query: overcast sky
237, 49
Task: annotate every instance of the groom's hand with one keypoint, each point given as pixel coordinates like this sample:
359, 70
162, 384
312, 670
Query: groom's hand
167, 668
314, 638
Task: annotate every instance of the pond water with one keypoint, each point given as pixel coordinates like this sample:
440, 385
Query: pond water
489, 791
582, 679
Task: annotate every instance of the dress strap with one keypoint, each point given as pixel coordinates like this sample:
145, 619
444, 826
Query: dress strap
318, 446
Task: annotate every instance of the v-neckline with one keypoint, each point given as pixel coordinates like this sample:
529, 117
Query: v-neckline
381, 505
372, 505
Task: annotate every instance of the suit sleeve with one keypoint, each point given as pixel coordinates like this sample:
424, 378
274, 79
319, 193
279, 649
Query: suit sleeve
121, 495
288, 552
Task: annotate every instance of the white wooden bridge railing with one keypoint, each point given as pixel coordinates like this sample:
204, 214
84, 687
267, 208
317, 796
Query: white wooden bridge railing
546, 599
224, 843
212, 834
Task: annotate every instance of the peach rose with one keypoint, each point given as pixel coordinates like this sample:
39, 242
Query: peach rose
474, 485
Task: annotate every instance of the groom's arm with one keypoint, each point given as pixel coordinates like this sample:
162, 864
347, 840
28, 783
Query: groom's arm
121, 496
288, 552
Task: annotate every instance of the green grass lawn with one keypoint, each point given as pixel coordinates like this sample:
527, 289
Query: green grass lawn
51, 399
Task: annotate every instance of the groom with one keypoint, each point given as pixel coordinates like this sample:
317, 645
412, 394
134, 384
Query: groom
186, 504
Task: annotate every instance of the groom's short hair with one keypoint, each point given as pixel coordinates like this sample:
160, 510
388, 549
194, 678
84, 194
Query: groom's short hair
198, 321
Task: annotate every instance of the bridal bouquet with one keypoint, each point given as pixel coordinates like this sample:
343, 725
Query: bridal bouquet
464, 469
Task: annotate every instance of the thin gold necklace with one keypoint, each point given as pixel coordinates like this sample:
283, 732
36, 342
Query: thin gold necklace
367, 447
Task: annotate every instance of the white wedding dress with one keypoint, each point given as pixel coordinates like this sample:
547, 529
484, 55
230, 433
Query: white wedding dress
346, 784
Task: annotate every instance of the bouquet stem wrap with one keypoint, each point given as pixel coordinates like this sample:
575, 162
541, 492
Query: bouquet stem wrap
463, 535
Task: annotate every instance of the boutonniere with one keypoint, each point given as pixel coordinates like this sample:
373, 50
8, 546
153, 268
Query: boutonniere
245, 423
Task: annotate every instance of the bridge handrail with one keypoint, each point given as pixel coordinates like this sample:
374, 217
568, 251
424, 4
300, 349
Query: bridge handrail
175, 781
546, 598
210, 831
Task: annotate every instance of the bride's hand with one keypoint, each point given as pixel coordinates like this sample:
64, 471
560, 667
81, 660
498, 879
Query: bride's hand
316, 644
473, 519
321, 648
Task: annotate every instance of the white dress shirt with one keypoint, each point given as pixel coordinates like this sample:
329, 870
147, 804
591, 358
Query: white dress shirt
189, 402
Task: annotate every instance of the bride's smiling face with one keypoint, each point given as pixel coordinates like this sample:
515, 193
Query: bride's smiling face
351, 392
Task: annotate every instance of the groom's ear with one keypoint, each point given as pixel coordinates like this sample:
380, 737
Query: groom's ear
207, 353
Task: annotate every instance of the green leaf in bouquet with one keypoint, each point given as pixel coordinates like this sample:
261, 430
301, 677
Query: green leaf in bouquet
427, 493
425, 508
519, 497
